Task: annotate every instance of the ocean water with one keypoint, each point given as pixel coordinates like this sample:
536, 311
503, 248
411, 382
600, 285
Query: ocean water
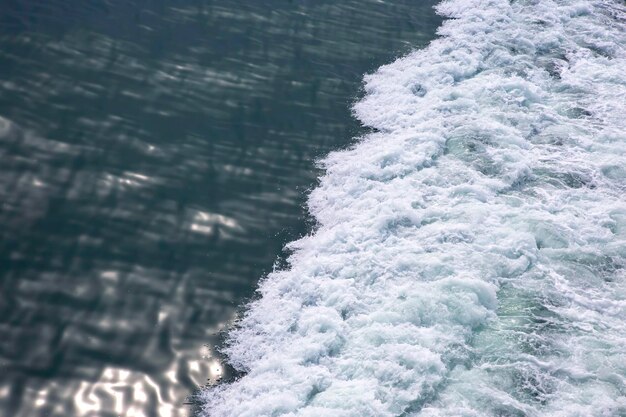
155, 156
469, 253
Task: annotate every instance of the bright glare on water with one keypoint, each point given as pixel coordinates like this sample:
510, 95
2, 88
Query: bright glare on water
154, 159
458, 250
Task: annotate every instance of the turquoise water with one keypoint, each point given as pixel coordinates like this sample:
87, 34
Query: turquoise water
155, 158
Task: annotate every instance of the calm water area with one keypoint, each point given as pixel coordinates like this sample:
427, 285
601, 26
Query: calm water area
155, 156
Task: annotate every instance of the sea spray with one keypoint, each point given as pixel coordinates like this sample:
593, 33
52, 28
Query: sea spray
470, 254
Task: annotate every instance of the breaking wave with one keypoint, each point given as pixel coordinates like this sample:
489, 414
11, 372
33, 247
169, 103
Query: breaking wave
470, 255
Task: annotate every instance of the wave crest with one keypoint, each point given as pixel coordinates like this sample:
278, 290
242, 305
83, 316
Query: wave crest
470, 254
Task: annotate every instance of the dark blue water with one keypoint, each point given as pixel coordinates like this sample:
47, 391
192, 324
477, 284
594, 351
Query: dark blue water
155, 156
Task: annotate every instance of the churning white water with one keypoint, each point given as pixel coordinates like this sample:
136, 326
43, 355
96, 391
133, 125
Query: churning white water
470, 255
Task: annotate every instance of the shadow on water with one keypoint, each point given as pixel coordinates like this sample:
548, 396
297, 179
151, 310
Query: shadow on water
155, 159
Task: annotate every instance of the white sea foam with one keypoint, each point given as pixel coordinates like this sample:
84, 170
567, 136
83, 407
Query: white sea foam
470, 256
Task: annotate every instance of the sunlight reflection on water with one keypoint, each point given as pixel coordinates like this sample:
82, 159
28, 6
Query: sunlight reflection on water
155, 159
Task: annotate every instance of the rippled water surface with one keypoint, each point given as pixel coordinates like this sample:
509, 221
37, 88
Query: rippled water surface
469, 254
155, 156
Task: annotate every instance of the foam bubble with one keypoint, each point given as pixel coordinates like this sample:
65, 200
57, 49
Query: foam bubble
470, 256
